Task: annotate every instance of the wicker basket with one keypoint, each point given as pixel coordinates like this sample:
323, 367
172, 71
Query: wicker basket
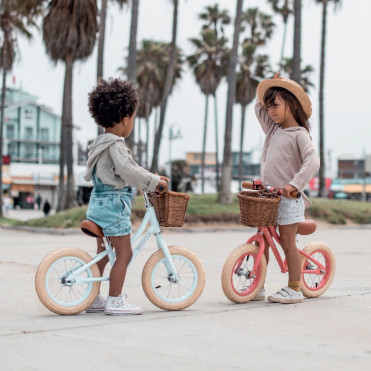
170, 208
258, 209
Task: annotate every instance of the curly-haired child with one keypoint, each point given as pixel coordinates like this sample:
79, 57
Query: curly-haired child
115, 175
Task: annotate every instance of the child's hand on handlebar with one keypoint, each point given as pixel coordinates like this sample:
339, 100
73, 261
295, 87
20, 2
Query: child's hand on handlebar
162, 186
287, 190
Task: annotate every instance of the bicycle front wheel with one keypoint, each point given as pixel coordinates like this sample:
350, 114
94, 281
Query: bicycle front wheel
165, 292
237, 282
315, 281
58, 295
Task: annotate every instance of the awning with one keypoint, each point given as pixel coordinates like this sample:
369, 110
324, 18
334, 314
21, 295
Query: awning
356, 188
23, 187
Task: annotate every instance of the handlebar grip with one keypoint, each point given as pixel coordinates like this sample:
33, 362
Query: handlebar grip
248, 185
295, 194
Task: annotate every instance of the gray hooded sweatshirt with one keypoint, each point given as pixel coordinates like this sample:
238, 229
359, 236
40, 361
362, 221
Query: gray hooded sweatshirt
115, 166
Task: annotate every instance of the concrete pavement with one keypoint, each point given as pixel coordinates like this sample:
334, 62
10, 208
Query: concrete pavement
330, 332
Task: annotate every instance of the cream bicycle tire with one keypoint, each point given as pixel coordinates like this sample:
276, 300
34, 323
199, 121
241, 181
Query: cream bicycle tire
42, 281
230, 282
155, 291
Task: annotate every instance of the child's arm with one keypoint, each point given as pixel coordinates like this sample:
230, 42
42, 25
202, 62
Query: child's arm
311, 162
127, 169
261, 113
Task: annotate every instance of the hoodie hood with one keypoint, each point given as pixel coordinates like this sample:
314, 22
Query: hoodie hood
298, 128
95, 149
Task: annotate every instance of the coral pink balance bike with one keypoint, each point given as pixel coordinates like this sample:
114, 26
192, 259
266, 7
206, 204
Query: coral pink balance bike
245, 269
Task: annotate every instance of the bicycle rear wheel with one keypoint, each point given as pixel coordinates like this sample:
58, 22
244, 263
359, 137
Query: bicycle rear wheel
315, 283
166, 293
55, 293
237, 284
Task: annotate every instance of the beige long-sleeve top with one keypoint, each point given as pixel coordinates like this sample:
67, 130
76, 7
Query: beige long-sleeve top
288, 154
115, 166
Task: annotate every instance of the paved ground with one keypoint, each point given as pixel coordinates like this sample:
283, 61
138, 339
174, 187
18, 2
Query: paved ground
328, 333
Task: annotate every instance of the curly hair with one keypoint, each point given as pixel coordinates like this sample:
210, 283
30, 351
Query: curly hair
112, 100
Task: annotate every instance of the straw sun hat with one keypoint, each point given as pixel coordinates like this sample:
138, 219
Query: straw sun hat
289, 85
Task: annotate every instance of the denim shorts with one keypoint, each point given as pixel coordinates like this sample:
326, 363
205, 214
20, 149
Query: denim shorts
110, 208
290, 211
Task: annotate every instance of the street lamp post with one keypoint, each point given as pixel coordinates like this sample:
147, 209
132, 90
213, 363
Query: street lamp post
172, 135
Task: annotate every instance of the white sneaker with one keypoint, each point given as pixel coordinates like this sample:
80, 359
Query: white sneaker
260, 296
287, 296
98, 305
117, 305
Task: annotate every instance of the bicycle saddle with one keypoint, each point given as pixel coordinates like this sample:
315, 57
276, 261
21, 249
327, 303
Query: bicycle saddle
306, 227
91, 229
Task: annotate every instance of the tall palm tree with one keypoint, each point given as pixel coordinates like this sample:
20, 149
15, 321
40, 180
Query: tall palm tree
284, 8
296, 69
69, 33
209, 64
132, 57
167, 87
224, 195
322, 181
15, 16
101, 40
253, 68
215, 19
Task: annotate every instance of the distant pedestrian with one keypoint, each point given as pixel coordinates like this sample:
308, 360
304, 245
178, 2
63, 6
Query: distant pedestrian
7, 203
46, 208
38, 201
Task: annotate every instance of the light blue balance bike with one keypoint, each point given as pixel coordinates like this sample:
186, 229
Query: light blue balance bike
68, 280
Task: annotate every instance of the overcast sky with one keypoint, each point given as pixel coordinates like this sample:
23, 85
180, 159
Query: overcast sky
347, 85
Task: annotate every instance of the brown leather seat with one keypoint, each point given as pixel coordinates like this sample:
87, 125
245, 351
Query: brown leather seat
91, 229
307, 227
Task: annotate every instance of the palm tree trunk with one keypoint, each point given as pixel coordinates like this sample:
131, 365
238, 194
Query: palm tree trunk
204, 146
147, 138
139, 141
240, 162
296, 71
68, 124
102, 33
3, 92
322, 187
167, 88
132, 59
62, 158
225, 196
216, 141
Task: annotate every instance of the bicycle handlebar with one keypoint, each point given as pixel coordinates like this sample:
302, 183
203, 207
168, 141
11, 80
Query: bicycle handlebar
257, 185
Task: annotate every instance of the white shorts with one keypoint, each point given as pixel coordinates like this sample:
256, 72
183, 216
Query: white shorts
290, 211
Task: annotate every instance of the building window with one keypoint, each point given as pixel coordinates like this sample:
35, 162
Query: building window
28, 113
29, 150
12, 149
10, 131
44, 134
28, 132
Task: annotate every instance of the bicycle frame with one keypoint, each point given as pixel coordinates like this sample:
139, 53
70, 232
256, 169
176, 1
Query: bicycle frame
154, 229
271, 234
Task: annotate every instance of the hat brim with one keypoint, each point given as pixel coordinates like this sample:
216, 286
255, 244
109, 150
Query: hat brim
289, 85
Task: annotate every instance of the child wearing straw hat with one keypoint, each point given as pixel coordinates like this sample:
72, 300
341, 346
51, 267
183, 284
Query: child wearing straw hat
288, 161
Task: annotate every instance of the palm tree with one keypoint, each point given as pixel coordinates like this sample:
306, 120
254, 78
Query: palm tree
215, 19
101, 40
14, 18
209, 64
322, 185
69, 33
296, 69
284, 8
305, 82
225, 196
253, 68
167, 87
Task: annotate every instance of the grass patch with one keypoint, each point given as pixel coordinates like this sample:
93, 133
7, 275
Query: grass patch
205, 209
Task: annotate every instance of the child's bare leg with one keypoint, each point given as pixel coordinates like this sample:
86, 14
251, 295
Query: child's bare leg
288, 243
103, 262
122, 246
